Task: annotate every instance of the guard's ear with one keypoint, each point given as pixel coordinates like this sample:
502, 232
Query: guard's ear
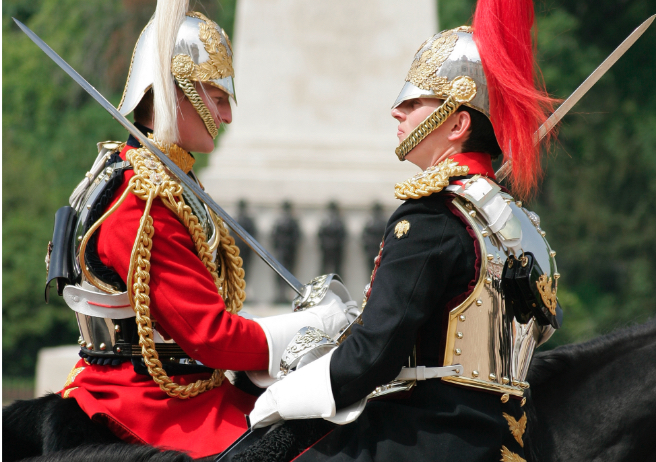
460, 126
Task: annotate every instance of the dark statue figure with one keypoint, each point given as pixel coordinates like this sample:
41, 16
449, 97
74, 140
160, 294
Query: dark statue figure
246, 222
332, 236
372, 234
285, 238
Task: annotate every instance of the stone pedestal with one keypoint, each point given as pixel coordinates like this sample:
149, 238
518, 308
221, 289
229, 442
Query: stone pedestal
315, 82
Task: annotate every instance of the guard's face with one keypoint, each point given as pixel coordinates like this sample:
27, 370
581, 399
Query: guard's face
410, 114
194, 136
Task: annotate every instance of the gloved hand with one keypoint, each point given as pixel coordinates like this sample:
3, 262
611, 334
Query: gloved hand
303, 394
330, 316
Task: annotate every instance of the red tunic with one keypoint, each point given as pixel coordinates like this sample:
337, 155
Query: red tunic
187, 307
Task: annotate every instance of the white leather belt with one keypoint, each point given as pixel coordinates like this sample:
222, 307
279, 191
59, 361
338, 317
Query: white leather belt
425, 373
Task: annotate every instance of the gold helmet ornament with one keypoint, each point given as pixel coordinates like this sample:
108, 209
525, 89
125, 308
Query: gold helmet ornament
489, 67
180, 47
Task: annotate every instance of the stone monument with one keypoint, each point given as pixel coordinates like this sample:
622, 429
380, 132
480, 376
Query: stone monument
315, 82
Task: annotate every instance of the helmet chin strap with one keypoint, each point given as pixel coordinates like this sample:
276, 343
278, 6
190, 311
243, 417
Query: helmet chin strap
463, 90
190, 92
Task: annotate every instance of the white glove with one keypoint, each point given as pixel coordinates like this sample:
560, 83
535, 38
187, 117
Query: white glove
303, 394
330, 316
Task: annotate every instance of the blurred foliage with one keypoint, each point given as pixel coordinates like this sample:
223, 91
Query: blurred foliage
50, 128
596, 199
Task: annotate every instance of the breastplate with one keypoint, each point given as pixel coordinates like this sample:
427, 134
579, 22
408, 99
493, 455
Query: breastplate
483, 335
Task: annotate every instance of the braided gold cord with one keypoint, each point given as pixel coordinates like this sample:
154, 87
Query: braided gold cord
150, 182
190, 91
433, 180
424, 129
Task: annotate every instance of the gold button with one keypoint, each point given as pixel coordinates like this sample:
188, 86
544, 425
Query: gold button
462, 317
474, 373
458, 351
459, 334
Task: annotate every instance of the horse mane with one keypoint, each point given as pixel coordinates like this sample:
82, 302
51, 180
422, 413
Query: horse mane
549, 363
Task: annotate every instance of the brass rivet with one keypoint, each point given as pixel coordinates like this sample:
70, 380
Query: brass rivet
524, 385
118, 349
462, 317
458, 351
472, 214
523, 402
103, 347
542, 233
488, 280
485, 233
468, 205
172, 358
505, 380
518, 203
117, 328
90, 346
88, 206
79, 238
490, 257
556, 275
552, 253
514, 383
474, 373
459, 334
83, 343
505, 397
493, 376
479, 302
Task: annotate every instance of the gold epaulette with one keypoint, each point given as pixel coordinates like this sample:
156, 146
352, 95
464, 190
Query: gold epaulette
430, 181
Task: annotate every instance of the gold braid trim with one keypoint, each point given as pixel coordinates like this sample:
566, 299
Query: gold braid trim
232, 285
430, 181
150, 182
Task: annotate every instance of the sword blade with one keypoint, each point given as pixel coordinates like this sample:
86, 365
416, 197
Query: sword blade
588, 83
173, 168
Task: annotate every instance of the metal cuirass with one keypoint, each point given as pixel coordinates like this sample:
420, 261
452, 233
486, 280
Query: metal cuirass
483, 334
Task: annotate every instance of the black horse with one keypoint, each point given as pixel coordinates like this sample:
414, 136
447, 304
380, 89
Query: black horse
594, 401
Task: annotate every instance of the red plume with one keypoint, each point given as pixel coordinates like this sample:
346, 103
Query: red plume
519, 103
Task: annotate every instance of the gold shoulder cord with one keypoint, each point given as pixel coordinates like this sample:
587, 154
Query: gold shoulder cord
151, 181
433, 180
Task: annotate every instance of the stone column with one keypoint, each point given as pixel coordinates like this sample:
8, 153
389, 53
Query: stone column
315, 82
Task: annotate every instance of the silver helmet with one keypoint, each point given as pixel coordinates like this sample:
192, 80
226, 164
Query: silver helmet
446, 66
202, 53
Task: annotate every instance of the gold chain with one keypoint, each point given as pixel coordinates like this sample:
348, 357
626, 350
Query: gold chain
190, 91
424, 129
150, 182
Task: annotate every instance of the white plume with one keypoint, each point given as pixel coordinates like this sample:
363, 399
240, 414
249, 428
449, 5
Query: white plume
169, 16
